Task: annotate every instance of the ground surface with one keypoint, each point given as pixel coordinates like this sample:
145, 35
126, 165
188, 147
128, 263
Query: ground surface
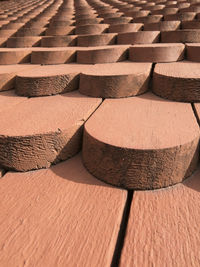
99, 133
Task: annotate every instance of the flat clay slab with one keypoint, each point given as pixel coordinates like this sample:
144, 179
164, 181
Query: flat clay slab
74, 212
8, 74
43, 130
193, 52
113, 80
163, 227
49, 79
10, 56
140, 37
125, 142
157, 52
178, 81
104, 54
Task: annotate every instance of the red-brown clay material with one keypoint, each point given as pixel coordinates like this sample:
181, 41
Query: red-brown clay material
178, 81
190, 25
157, 52
148, 19
9, 56
56, 31
53, 132
141, 37
181, 36
125, 142
118, 20
163, 227
57, 217
9, 100
7, 33
162, 26
193, 52
97, 40
8, 74
27, 41
102, 54
81, 22
49, 80
2, 172
59, 41
130, 27
91, 29
30, 32
187, 16
53, 56
113, 80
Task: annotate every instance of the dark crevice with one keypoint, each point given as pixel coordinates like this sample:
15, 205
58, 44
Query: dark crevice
122, 231
195, 113
151, 77
3, 173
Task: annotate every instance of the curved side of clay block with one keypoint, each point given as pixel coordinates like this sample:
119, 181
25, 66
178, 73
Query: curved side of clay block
156, 53
141, 37
97, 40
109, 155
116, 84
102, 55
23, 41
44, 86
174, 87
14, 57
53, 57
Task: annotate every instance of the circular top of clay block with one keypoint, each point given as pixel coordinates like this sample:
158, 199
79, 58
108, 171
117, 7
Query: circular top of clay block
142, 123
183, 69
119, 68
54, 70
46, 114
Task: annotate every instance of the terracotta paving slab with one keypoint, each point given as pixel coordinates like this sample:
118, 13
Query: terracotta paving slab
103, 54
193, 52
59, 41
27, 41
9, 100
121, 79
99, 49
9, 72
10, 56
157, 52
50, 80
60, 217
162, 26
97, 40
179, 81
163, 227
181, 36
130, 27
53, 132
125, 143
141, 37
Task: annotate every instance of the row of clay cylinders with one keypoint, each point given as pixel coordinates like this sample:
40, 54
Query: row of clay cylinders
38, 19
20, 18
16, 13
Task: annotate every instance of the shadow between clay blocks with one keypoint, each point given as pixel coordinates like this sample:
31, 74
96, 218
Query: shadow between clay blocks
73, 170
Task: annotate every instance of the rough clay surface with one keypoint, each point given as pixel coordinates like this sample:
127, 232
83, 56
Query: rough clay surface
49, 80
102, 55
125, 142
157, 52
8, 74
163, 227
178, 81
34, 140
113, 80
58, 217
